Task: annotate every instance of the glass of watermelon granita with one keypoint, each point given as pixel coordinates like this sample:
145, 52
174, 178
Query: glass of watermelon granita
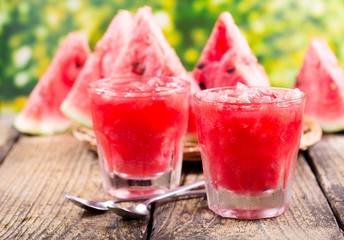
140, 124
249, 140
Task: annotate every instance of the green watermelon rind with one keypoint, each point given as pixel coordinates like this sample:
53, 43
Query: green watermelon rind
76, 115
320, 71
331, 126
113, 41
35, 127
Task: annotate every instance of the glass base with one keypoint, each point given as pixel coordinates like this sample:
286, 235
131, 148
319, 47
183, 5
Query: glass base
249, 214
270, 203
121, 185
124, 186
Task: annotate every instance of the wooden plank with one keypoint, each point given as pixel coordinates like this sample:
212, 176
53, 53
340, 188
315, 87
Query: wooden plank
8, 135
309, 216
327, 159
36, 174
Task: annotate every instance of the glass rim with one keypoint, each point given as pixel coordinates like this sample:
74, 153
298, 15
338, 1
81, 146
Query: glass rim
182, 84
296, 99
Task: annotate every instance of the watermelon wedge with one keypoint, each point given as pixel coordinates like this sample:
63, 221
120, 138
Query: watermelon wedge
227, 58
148, 53
99, 65
41, 113
322, 79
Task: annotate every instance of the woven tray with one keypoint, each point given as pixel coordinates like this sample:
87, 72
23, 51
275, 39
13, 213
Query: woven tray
311, 133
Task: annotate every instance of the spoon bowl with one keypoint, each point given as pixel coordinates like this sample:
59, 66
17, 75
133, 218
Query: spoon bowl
136, 212
97, 206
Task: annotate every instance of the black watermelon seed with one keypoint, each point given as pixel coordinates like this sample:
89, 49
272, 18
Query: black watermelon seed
138, 69
201, 85
78, 65
135, 65
231, 70
200, 65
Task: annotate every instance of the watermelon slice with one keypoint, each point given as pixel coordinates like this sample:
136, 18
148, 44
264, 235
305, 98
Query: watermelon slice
99, 65
322, 79
148, 53
227, 58
41, 114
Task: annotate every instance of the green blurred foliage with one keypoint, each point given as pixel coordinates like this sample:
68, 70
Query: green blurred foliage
278, 32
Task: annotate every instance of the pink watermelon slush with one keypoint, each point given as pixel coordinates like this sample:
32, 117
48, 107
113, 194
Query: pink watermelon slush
140, 124
249, 140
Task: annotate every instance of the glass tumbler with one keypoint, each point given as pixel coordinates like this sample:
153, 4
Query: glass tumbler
139, 124
249, 140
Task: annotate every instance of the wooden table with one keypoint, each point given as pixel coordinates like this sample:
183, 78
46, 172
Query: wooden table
36, 172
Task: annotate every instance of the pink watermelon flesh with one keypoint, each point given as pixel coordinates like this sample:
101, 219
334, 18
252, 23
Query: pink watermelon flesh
227, 58
99, 65
322, 79
149, 54
41, 114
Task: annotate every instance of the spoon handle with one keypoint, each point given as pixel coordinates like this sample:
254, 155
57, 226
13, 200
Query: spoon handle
191, 193
175, 192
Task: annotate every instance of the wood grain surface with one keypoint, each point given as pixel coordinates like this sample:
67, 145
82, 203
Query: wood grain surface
8, 135
327, 159
37, 173
309, 217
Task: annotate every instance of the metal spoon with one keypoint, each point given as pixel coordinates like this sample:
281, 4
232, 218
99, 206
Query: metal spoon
98, 207
101, 207
141, 210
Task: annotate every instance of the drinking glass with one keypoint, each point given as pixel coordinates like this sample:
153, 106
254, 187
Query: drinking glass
139, 124
249, 140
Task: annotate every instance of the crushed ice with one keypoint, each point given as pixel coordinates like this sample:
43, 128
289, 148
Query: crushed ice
135, 88
243, 94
